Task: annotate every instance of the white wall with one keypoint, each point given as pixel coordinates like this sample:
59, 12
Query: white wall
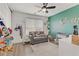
18, 19
5, 14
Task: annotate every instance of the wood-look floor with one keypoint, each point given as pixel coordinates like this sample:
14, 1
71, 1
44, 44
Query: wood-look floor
18, 50
32, 50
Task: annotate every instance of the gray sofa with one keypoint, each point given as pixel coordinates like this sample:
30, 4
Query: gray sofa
38, 37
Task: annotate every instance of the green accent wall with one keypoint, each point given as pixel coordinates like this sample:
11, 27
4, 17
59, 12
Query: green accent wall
63, 21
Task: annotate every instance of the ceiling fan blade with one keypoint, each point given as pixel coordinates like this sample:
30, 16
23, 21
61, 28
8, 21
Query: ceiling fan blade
45, 4
51, 7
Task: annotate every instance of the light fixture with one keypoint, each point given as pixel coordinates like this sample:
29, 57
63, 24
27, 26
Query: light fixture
44, 9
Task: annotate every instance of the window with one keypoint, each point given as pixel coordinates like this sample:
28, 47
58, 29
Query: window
33, 25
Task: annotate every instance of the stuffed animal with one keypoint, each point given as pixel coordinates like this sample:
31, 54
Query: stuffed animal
5, 37
8, 37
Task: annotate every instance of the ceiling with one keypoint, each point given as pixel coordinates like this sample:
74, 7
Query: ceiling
32, 8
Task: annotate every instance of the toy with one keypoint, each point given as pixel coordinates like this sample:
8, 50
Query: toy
5, 37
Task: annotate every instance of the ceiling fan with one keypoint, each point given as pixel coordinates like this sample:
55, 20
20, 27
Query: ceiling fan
45, 7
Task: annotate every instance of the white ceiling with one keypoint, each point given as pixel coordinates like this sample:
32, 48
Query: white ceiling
32, 8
